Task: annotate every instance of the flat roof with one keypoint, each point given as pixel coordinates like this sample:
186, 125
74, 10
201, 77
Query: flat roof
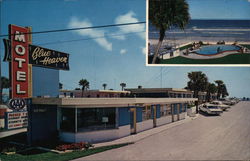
152, 90
92, 91
107, 102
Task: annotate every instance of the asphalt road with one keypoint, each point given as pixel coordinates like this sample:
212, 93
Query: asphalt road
225, 137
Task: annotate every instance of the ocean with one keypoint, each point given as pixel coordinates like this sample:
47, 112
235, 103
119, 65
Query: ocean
206, 30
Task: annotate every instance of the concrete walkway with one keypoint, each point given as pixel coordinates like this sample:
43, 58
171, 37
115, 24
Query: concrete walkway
224, 137
139, 136
12, 132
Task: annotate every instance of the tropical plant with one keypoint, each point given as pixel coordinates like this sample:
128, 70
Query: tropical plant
211, 89
104, 86
5, 83
164, 14
123, 85
85, 85
219, 88
60, 85
224, 92
197, 82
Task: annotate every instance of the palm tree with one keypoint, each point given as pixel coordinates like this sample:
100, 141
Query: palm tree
198, 82
224, 92
123, 85
85, 84
164, 14
219, 87
5, 83
104, 86
60, 85
211, 89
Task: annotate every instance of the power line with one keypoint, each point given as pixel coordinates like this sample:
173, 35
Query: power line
111, 35
80, 28
84, 39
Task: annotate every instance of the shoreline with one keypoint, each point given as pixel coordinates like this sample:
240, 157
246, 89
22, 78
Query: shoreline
183, 42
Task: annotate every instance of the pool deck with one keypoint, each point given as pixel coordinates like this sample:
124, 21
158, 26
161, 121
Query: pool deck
197, 56
193, 55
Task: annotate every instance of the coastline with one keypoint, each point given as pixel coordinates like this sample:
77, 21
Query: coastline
183, 42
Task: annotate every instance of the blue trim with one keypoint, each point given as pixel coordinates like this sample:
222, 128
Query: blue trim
158, 111
124, 116
175, 109
139, 114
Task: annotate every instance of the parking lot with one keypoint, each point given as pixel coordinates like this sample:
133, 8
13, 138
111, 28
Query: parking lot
224, 137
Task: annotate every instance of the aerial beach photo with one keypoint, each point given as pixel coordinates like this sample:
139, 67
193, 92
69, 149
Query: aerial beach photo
215, 32
75, 86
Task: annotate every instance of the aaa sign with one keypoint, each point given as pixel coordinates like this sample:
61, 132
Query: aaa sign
19, 63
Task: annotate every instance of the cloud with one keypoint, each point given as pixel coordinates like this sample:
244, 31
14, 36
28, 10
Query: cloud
129, 18
143, 50
92, 33
248, 0
123, 51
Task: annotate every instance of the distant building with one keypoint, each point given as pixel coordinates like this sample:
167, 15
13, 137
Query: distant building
160, 92
93, 93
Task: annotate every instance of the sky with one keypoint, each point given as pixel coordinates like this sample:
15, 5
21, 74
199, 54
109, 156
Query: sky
219, 9
108, 55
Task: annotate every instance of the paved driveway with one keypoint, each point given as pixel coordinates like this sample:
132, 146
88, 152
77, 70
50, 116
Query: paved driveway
205, 138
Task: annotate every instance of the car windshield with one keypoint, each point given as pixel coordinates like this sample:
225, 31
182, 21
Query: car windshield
215, 103
212, 107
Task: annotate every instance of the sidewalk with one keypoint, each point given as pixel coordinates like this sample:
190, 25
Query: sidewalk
139, 136
12, 132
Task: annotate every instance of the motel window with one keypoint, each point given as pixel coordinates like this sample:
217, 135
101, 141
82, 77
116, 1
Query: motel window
165, 110
68, 120
89, 119
146, 113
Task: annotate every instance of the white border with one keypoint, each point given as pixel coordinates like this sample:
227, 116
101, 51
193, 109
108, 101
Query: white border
182, 65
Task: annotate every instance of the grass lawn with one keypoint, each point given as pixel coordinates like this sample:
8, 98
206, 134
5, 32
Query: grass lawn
49, 156
26, 153
230, 59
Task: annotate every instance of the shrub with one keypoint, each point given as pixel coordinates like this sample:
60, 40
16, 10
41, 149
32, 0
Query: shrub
74, 146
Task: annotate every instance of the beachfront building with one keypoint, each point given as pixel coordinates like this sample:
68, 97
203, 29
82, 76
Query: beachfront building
99, 119
93, 93
160, 92
168, 93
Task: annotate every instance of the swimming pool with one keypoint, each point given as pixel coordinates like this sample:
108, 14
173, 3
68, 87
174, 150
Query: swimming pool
216, 49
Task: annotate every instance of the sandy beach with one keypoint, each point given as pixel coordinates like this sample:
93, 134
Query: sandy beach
182, 42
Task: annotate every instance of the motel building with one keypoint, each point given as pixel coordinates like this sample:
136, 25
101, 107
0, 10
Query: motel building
100, 119
34, 75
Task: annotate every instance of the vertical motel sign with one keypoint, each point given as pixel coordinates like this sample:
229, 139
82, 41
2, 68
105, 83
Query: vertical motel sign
19, 61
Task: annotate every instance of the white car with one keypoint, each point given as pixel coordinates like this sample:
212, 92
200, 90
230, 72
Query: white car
220, 105
228, 101
211, 109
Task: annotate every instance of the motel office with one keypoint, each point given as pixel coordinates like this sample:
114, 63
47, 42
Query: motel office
99, 119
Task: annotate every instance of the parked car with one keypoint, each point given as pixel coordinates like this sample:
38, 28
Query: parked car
211, 109
228, 101
220, 105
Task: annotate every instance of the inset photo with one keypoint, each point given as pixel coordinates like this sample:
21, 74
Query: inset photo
195, 32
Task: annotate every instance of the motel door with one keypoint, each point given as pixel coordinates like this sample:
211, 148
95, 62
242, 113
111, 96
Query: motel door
178, 111
133, 120
172, 112
154, 116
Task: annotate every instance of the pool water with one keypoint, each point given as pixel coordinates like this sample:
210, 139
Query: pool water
215, 49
